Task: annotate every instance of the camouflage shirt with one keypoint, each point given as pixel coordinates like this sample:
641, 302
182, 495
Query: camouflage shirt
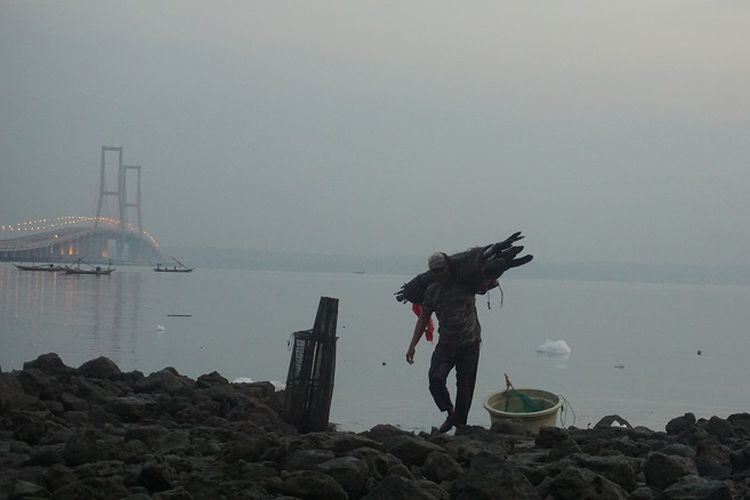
455, 308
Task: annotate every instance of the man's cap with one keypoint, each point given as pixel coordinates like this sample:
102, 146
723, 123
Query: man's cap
436, 260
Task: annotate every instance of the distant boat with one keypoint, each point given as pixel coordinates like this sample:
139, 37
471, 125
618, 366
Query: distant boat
50, 268
182, 268
94, 270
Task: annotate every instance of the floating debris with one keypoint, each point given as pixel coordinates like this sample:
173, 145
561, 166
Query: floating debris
554, 348
160, 328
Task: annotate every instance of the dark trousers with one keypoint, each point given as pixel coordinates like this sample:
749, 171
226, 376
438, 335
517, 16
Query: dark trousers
465, 359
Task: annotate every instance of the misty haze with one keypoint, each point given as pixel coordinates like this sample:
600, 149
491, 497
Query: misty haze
260, 156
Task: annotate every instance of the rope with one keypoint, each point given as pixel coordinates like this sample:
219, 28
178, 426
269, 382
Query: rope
502, 297
567, 407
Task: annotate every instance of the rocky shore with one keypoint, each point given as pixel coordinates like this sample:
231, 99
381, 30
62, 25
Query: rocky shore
95, 432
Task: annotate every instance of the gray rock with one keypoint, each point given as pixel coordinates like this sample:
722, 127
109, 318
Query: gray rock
162, 381
101, 367
697, 488
85, 447
91, 392
511, 427
385, 434
400, 470
663, 470
37, 383
248, 448
378, 462
46, 455
395, 487
681, 424
713, 459
439, 467
412, 450
721, 429
490, 476
132, 409
156, 476
740, 422
618, 469
433, 489
575, 484
644, 493
313, 485
26, 489
148, 434
29, 427
71, 402
679, 450
11, 393
344, 442
50, 364
350, 472
307, 459
210, 380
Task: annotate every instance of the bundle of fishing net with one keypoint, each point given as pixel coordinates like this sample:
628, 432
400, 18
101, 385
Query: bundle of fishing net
477, 267
518, 401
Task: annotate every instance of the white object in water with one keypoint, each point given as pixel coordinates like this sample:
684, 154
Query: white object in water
278, 386
160, 328
554, 348
242, 380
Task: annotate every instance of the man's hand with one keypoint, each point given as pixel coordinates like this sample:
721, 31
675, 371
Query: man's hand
410, 355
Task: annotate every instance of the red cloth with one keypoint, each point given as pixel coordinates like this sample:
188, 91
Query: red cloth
429, 330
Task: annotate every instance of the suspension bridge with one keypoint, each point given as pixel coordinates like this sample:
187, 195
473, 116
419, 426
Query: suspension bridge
96, 239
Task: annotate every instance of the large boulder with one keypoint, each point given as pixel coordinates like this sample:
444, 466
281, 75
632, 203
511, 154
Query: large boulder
489, 477
681, 424
663, 470
11, 393
101, 367
575, 484
351, 473
619, 469
313, 485
396, 487
721, 429
413, 450
698, 488
37, 383
50, 363
440, 466
166, 381
86, 447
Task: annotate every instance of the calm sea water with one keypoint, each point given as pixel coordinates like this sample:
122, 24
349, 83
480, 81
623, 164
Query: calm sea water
634, 346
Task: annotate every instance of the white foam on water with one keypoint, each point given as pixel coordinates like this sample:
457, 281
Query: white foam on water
242, 380
278, 386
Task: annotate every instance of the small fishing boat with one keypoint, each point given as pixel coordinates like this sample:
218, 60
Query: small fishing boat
94, 270
182, 268
50, 268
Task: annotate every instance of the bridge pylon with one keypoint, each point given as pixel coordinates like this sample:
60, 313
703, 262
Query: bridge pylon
120, 192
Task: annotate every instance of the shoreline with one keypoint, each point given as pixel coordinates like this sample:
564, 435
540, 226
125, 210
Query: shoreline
97, 432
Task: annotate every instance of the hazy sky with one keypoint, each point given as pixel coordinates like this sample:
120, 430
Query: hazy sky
610, 131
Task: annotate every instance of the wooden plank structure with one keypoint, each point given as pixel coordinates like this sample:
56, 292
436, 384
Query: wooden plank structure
309, 383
